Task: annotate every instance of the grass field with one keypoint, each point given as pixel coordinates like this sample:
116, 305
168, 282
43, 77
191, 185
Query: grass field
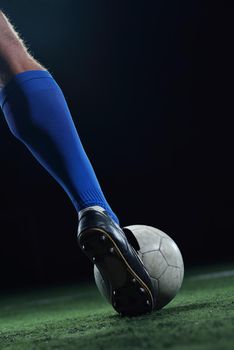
200, 317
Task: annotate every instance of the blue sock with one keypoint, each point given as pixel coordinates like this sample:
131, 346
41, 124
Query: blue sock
37, 114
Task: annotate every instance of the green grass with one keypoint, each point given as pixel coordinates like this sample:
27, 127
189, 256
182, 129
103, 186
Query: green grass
200, 317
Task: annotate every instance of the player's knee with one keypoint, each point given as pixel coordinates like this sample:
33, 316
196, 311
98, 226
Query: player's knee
23, 63
14, 61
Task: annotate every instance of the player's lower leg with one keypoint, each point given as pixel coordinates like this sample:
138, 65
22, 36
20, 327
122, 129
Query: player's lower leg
37, 114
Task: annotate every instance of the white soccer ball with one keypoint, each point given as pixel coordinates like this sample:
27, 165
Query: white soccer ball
162, 259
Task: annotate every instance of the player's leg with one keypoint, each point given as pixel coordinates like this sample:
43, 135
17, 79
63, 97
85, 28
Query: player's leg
14, 57
37, 114
35, 110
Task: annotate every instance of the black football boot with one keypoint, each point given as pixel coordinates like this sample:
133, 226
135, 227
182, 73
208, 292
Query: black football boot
106, 245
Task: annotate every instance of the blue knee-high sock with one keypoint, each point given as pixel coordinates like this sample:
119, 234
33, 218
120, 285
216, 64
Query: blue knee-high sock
38, 115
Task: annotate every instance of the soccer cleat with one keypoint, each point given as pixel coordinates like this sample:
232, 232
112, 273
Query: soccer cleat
107, 246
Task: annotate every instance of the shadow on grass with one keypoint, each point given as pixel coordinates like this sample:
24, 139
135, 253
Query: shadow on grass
165, 312
184, 308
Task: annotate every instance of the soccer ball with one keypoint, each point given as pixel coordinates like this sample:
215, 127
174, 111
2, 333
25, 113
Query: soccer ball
162, 259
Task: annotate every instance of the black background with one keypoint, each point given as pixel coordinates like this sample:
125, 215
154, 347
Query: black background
150, 88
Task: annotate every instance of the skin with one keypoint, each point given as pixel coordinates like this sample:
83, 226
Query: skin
14, 56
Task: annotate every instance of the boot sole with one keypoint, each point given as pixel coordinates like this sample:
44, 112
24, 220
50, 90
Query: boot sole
130, 296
